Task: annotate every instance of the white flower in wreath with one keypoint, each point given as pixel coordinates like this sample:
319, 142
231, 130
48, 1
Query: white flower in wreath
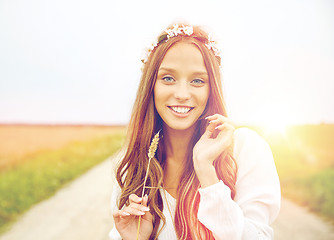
212, 45
169, 33
176, 30
144, 57
188, 30
153, 46
209, 45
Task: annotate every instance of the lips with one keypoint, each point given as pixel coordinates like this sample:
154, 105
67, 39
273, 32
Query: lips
181, 109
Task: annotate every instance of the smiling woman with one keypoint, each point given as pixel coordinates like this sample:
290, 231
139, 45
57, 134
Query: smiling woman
180, 92
206, 179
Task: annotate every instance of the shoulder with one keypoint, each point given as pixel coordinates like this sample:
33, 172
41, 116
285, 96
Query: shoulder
245, 139
250, 149
243, 131
245, 136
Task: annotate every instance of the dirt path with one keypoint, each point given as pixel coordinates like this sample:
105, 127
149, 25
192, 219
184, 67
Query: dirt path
78, 211
81, 211
295, 222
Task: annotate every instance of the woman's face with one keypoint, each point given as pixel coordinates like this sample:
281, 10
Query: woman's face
182, 87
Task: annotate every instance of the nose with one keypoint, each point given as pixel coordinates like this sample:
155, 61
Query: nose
182, 92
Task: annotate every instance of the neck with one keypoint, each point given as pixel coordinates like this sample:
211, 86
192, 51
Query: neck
177, 145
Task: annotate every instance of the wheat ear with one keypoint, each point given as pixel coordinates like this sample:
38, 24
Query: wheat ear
151, 152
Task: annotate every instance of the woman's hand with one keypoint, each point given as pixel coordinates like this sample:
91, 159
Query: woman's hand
217, 137
126, 220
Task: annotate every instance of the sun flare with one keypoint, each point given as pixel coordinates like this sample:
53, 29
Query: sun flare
276, 128
274, 118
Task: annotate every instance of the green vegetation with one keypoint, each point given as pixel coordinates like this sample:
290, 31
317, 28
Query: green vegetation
38, 176
315, 191
304, 158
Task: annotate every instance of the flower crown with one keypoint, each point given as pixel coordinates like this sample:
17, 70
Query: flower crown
180, 30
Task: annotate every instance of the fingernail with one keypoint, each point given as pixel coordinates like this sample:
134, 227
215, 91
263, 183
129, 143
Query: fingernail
141, 213
139, 199
217, 127
126, 213
146, 195
146, 209
206, 118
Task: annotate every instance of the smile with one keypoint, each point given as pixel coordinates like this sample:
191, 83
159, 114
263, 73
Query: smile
180, 109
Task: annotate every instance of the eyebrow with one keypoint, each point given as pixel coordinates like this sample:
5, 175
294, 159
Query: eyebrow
172, 70
167, 69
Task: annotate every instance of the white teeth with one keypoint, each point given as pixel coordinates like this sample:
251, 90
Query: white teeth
181, 109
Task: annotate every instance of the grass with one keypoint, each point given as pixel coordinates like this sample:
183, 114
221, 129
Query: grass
18, 141
304, 158
315, 191
39, 175
303, 155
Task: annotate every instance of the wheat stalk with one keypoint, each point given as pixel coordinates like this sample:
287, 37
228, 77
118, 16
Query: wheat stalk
151, 152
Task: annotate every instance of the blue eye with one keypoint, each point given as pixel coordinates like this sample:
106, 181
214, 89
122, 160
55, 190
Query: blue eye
197, 81
168, 79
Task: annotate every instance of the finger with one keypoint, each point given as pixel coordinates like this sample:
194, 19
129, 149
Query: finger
139, 207
145, 200
225, 132
120, 213
225, 127
220, 127
148, 215
134, 198
209, 130
214, 116
215, 122
219, 117
133, 211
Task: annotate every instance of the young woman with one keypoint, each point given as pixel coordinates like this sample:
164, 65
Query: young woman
207, 180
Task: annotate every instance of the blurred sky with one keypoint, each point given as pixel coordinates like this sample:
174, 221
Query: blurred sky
78, 61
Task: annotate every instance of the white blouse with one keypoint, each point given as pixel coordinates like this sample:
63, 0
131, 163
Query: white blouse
256, 203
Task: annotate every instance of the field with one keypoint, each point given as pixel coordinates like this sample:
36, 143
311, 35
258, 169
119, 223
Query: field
19, 141
38, 160
304, 157
35, 161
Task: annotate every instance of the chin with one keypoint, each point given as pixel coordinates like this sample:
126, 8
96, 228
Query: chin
180, 126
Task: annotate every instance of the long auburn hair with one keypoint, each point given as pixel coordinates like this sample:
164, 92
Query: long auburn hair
145, 122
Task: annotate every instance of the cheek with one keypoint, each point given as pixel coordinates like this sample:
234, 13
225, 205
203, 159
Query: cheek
161, 93
156, 100
204, 97
158, 96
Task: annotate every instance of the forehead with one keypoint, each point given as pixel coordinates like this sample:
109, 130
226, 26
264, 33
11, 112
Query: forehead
184, 55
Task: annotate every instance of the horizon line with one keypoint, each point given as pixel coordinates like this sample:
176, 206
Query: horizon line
126, 124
